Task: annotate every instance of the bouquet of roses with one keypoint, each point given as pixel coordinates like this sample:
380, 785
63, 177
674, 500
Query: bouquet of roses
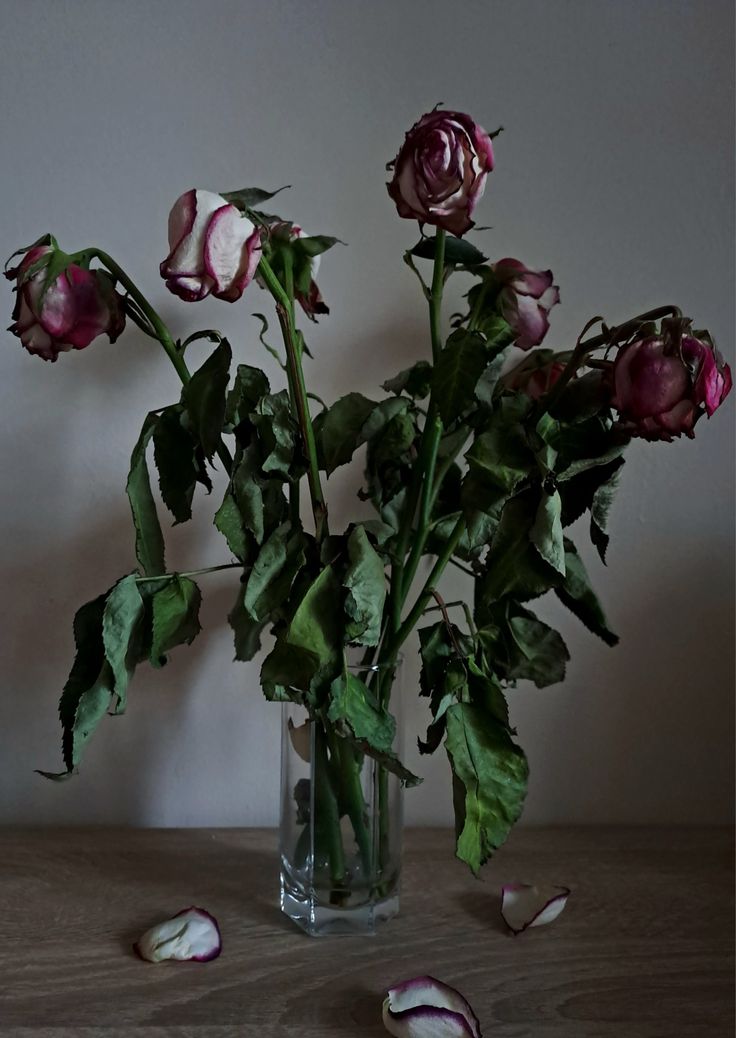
473, 457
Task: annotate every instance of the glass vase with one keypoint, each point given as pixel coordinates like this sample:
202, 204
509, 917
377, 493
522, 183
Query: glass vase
341, 822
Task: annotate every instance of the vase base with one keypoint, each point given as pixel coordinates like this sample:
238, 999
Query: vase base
320, 920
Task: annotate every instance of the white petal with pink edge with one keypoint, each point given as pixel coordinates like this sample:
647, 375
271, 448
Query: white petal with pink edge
192, 935
427, 1008
524, 905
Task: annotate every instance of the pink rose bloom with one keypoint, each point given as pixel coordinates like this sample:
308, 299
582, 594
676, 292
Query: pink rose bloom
525, 300
661, 392
214, 249
440, 172
75, 308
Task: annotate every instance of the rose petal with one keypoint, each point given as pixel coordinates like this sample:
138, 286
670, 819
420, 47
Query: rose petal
301, 739
426, 1008
192, 935
523, 906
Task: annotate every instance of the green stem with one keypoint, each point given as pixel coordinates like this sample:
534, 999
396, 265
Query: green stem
190, 572
426, 593
351, 791
298, 392
160, 332
435, 299
431, 446
421, 492
327, 820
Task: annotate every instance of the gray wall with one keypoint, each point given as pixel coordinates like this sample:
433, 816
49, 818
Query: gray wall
615, 169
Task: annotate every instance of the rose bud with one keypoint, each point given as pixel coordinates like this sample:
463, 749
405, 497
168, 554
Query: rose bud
662, 387
534, 379
311, 300
427, 1008
525, 300
440, 171
214, 249
73, 310
191, 936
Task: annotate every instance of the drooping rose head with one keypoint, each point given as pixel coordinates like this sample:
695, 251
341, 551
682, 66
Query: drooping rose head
662, 386
440, 171
525, 300
69, 313
214, 248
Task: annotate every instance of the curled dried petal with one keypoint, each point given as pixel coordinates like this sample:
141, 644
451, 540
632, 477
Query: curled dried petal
524, 906
426, 1008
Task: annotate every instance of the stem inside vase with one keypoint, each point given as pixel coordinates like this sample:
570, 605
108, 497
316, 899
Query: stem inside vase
341, 823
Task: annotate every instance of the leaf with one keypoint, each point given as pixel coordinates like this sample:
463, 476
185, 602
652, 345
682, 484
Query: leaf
365, 581
316, 626
175, 615
249, 197
149, 542
314, 245
546, 533
280, 558
204, 397
178, 471
601, 506
356, 714
502, 456
120, 630
538, 653
514, 566
456, 373
286, 668
246, 630
354, 706
229, 522
277, 433
486, 692
415, 381
249, 386
458, 251
498, 332
248, 493
490, 775
338, 429
578, 493
489, 380
88, 689
579, 597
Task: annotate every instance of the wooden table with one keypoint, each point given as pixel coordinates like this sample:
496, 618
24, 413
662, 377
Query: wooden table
643, 950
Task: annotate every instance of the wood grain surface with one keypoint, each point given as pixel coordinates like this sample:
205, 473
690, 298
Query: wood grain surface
643, 950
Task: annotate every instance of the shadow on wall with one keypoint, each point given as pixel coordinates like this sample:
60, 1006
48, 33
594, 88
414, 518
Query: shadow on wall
653, 721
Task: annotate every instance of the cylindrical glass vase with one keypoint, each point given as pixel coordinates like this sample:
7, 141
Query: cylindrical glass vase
341, 822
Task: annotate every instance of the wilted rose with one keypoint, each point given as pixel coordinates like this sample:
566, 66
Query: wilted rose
73, 310
214, 248
525, 300
662, 386
440, 171
535, 380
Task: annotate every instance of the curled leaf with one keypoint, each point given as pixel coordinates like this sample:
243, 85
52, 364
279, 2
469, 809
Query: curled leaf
191, 936
523, 906
426, 1008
